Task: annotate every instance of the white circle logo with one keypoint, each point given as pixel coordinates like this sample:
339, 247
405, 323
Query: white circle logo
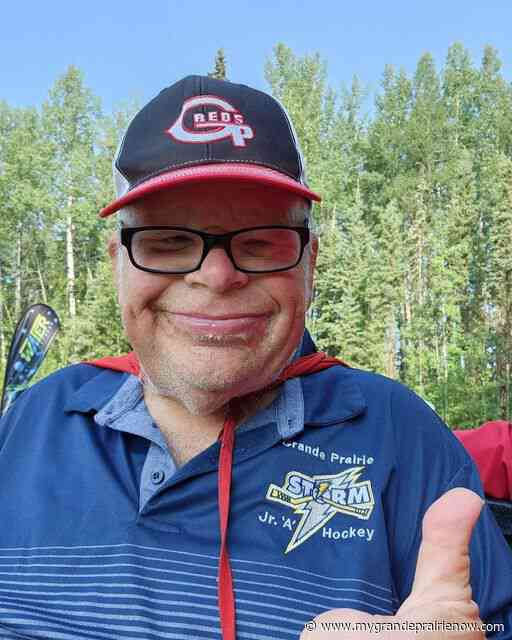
218, 123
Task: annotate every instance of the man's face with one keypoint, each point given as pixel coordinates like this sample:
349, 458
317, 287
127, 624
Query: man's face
216, 333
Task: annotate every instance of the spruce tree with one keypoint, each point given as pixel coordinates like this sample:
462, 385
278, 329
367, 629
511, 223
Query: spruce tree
219, 69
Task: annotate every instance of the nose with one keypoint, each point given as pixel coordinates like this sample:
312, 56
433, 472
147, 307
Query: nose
217, 273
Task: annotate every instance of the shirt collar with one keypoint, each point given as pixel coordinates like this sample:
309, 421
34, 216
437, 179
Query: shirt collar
126, 411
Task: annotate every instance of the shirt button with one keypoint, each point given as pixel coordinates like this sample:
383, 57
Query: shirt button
157, 477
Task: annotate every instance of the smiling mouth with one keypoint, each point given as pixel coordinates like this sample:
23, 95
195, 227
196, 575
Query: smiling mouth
248, 325
220, 317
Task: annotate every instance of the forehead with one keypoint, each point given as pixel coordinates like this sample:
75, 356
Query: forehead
226, 204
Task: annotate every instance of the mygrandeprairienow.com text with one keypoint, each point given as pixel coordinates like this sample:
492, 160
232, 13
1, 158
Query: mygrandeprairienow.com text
403, 625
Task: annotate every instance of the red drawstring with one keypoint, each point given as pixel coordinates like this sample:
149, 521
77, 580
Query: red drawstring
226, 595
302, 366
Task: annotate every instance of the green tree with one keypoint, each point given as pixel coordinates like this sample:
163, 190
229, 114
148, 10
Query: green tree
414, 270
23, 237
219, 69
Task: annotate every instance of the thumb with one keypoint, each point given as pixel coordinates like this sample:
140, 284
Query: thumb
442, 568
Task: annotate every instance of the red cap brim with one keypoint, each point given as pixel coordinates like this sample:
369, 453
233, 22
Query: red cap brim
211, 172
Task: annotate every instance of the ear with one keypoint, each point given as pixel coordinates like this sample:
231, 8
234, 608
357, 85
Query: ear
310, 276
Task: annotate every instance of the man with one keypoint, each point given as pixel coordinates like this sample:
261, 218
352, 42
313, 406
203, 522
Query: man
225, 480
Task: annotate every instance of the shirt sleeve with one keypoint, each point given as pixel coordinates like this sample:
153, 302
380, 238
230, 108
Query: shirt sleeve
429, 462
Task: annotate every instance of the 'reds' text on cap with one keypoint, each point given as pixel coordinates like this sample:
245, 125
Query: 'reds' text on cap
203, 129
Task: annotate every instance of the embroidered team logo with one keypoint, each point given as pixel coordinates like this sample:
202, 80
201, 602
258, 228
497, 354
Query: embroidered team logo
319, 498
218, 120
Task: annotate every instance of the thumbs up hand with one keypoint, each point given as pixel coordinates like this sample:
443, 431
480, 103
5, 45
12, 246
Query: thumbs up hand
441, 591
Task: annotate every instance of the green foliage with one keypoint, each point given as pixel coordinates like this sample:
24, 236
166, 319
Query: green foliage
54, 177
414, 270
414, 273
219, 69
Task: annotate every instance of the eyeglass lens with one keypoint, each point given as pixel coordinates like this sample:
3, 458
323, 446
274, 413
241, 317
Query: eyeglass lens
180, 250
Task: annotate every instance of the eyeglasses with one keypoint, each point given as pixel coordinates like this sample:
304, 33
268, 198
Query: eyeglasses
180, 250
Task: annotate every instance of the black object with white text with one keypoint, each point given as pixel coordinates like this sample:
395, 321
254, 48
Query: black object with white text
29, 346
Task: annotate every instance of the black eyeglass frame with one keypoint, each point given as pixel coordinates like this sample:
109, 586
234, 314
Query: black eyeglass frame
211, 240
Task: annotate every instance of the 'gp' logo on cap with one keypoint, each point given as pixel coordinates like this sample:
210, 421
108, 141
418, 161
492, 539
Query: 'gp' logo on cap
213, 125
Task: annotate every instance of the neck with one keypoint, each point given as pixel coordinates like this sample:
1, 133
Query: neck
188, 434
205, 410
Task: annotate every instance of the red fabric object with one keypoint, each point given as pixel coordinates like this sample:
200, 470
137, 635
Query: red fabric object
308, 364
302, 366
127, 363
490, 446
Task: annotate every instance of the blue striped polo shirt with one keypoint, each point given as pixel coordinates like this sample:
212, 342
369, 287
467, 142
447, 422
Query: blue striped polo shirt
102, 536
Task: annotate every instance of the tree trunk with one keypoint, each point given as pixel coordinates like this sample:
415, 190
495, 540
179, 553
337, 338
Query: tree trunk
420, 305
17, 277
445, 376
70, 261
390, 347
41, 283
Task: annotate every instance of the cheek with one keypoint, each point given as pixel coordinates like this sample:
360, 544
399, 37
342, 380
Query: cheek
290, 293
136, 291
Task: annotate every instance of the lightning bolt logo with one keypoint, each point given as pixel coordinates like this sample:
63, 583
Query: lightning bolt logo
318, 498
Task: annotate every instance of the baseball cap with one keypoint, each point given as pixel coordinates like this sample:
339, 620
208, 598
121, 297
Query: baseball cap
204, 129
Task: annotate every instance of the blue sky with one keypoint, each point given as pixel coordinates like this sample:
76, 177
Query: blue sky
133, 49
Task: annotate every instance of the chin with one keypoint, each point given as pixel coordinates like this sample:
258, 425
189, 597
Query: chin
212, 369
201, 391
205, 381
221, 373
